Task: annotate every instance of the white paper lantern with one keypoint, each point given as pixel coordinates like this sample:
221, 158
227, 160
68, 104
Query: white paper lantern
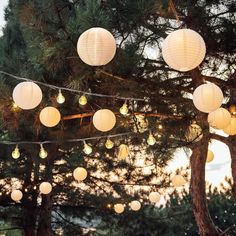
27, 95
104, 120
231, 128
119, 208
183, 49
50, 116
154, 197
219, 118
45, 188
123, 152
178, 180
135, 205
207, 97
16, 195
194, 133
80, 174
96, 47
210, 156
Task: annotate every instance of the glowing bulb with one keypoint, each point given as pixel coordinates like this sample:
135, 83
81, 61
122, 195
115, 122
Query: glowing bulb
151, 139
60, 98
109, 144
109, 205
42, 153
160, 127
87, 149
16, 153
83, 100
124, 109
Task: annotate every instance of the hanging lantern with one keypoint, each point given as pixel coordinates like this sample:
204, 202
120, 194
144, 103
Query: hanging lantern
210, 156
135, 205
231, 128
83, 100
45, 188
207, 97
124, 109
183, 49
80, 173
50, 116
87, 149
194, 133
219, 118
104, 120
178, 180
96, 47
16, 195
60, 98
16, 153
154, 197
123, 152
109, 144
119, 208
27, 95
151, 139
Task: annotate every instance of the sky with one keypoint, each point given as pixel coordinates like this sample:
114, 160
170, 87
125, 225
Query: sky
3, 4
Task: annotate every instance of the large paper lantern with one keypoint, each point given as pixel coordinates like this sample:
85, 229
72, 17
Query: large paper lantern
16, 195
119, 208
96, 47
178, 180
154, 197
207, 97
231, 128
194, 133
183, 49
210, 156
45, 188
27, 95
104, 120
123, 152
135, 205
50, 116
80, 174
219, 118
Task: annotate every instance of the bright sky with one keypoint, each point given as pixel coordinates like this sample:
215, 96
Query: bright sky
3, 4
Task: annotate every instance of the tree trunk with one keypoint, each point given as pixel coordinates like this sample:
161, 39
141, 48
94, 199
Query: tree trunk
29, 219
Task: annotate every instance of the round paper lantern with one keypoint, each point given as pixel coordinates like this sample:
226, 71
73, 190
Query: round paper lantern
119, 208
16, 195
123, 152
135, 205
194, 133
207, 97
183, 49
104, 120
45, 188
80, 174
154, 197
231, 128
50, 116
96, 47
27, 95
210, 156
178, 180
219, 118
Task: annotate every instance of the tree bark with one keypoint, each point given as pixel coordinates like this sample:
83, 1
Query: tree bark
29, 220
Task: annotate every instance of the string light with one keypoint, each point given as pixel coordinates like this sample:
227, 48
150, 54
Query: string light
151, 139
87, 149
109, 144
160, 126
83, 100
124, 109
60, 98
42, 153
16, 153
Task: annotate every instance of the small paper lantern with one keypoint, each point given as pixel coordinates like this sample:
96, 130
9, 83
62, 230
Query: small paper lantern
16, 195
119, 208
80, 174
183, 49
219, 118
96, 46
194, 133
207, 97
50, 116
27, 95
154, 197
210, 156
123, 152
45, 188
104, 120
135, 205
231, 128
178, 180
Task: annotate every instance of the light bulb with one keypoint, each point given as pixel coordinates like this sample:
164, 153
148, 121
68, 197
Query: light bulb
124, 109
87, 149
109, 144
83, 100
42, 153
16, 153
160, 126
151, 139
60, 98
